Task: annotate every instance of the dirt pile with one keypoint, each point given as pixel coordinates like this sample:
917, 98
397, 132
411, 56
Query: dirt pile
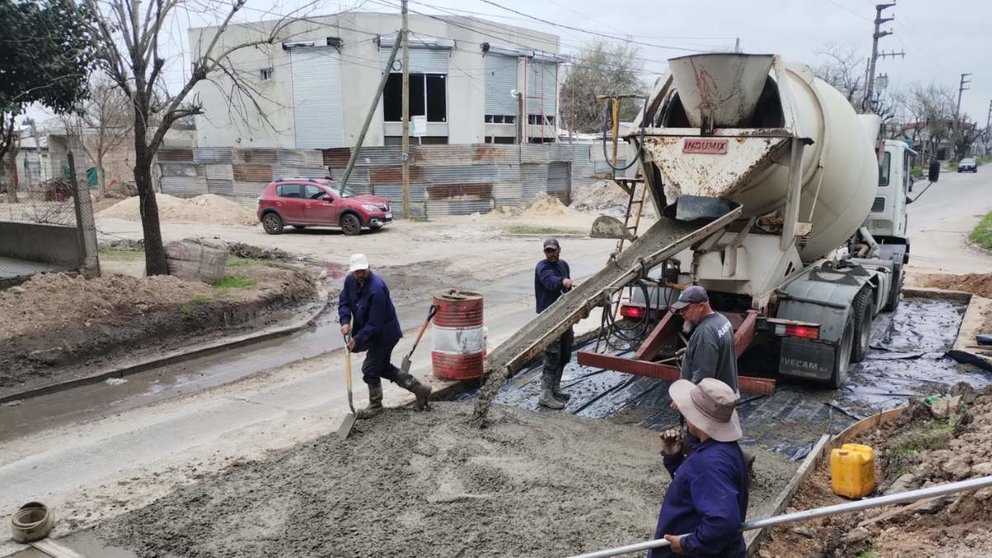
598, 196
948, 440
50, 301
57, 327
208, 208
418, 484
974, 283
545, 206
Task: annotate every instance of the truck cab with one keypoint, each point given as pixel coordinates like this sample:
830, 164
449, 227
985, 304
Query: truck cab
887, 220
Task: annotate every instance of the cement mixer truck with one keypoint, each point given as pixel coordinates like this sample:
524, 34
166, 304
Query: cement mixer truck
776, 197
821, 243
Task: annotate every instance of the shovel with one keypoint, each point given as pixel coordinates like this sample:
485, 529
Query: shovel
405, 367
349, 419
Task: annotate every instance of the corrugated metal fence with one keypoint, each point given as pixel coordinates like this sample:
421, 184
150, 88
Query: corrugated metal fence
444, 179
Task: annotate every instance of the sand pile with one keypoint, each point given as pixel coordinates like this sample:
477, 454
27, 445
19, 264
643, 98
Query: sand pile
208, 208
546, 206
419, 484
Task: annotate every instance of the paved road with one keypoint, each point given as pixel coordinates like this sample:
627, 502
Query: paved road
940, 220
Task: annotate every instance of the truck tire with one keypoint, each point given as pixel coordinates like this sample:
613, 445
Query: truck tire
842, 356
862, 311
894, 294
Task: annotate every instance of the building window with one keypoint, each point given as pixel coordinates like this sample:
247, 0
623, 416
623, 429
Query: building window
535, 119
428, 96
501, 139
266, 73
397, 141
500, 119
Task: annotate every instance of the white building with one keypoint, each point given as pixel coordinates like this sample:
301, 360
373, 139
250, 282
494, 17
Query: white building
315, 84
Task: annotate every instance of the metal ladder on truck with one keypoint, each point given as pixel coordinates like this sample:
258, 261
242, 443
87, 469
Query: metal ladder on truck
637, 192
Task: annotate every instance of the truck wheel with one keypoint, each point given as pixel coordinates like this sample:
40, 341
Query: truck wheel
842, 356
894, 295
862, 310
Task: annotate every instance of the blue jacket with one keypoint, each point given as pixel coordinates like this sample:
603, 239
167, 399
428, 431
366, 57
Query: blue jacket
371, 308
547, 282
707, 500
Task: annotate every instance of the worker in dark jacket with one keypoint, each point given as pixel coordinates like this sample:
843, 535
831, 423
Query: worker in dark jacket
552, 278
706, 502
366, 312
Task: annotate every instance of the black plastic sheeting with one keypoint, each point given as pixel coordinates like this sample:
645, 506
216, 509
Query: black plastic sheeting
906, 360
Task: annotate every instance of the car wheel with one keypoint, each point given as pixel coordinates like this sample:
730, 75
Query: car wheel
272, 223
351, 225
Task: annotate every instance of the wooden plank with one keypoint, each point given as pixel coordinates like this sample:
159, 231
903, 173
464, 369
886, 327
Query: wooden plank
56, 550
754, 538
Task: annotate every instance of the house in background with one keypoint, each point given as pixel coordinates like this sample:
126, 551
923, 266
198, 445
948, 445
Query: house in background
471, 81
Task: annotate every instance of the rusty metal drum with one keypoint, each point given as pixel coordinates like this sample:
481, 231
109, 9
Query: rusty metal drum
459, 351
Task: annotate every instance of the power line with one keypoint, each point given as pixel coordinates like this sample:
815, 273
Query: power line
594, 33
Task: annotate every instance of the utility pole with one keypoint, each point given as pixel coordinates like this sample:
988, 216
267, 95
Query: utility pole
961, 89
406, 113
870, 78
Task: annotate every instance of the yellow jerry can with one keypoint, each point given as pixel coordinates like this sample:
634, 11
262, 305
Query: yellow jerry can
852, 470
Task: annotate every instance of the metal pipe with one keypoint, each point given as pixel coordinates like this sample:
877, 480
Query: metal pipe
805, 515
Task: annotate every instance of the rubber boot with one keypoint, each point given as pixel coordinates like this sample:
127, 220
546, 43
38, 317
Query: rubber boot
548, 392
558, 394
375, 404
411, 384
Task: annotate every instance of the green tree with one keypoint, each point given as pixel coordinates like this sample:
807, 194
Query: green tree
47, 51
601, 69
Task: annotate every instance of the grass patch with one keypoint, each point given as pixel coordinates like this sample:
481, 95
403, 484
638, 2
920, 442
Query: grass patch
121, 255
952, 165
982, 233
870, 552
233, 283
917, 173
904, 450
188, 308
532, 230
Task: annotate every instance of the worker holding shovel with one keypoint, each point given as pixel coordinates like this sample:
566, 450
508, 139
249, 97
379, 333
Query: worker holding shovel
367, 314
706, 501
552, 278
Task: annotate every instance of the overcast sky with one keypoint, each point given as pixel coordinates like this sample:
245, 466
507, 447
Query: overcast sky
941, 39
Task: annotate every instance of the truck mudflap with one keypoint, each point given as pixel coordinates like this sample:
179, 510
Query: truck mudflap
803, 358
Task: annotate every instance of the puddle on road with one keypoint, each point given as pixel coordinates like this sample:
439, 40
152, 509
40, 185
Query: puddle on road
906, 360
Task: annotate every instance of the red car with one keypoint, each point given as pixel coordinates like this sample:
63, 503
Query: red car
304, 202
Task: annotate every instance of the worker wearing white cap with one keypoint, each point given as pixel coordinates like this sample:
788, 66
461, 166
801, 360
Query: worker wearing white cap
706, 502
366, 311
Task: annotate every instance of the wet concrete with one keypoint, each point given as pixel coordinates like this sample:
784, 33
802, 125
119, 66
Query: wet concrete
906, 360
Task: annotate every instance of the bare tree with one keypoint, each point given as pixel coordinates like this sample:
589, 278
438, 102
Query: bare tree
933, 106
601, 69
102, 124
844, 70
9, 144
129, 34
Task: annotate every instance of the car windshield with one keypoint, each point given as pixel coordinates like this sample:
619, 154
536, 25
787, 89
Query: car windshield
347, 193
967, 161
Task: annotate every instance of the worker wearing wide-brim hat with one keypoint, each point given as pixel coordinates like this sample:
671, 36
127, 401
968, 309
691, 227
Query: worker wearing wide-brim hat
706, 502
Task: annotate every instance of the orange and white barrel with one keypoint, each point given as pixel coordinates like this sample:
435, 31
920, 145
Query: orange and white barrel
459, 351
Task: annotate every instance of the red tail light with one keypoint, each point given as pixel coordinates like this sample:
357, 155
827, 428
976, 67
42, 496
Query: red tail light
804, 331
632, 312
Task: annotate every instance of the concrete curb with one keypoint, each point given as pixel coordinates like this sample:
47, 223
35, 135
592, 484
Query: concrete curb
179, 355
927, 292
965, 349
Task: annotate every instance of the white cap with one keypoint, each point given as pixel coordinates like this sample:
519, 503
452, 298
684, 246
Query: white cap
358, 261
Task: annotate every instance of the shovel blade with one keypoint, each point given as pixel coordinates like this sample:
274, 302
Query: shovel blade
405, 367
346, 425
